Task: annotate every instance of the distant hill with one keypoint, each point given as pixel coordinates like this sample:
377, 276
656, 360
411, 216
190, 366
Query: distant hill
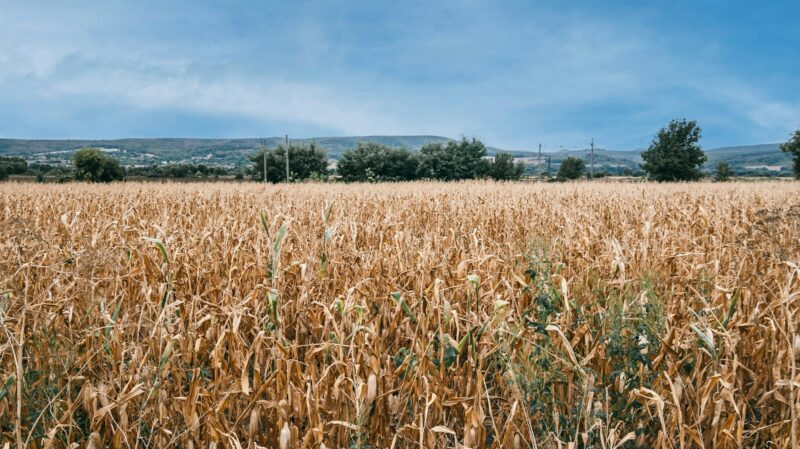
767, 157
752, 158
214, 151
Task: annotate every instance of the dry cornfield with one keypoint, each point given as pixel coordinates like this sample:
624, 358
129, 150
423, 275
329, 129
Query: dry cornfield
425, 315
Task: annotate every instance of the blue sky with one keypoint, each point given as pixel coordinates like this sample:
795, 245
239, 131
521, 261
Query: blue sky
513, 73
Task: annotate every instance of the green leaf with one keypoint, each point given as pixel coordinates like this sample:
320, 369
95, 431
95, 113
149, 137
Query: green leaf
707, 342
398, 299
465, 340
731, 311
161, 248
339, 304
165, 355
277, 245
167, 291
264, 223
7, 385
449, 356
276, 248
272, 298
116, 311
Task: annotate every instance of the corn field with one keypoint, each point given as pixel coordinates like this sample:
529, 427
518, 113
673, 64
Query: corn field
420, 315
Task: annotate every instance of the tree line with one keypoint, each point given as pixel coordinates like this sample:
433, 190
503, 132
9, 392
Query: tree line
374, 162
91, 164
674, 154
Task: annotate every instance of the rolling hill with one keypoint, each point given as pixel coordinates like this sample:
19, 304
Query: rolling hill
213, 151
766, 157
747, 158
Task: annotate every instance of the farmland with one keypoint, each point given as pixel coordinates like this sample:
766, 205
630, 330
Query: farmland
433, 315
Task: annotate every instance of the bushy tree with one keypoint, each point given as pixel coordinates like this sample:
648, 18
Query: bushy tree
12, 165
465, 159
375, 162
723, 172
571, 168
93, 165
503, 167
793, 146
434, 161
675, 154
305, 161
180, 171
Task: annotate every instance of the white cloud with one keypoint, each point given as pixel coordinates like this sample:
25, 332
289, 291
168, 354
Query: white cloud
771, 119
256, 98
471, 68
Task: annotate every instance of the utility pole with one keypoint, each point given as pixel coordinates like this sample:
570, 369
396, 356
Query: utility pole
264, 155
539, 160
548, 166
287, 158
591, 167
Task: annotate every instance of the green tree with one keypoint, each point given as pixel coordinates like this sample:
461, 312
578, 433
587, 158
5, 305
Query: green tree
793, 146
12, 165
723, 172
465, 159
375, 162
571, 168
434, 161
503, 167
93, 165
674, 154
305, 161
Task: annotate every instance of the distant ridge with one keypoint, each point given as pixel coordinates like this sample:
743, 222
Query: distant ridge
179, 147
235, 151
220, 151
765, 157
769, 154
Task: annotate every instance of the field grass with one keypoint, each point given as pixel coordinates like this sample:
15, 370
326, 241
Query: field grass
412, 315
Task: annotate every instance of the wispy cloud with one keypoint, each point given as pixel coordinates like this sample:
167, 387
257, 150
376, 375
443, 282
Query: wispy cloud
513, 74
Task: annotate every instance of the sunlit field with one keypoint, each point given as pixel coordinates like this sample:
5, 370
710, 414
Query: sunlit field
429, 315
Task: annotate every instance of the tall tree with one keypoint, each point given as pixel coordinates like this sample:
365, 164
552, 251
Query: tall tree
793, 146
375, 162
723, 172
93, 165
13, 165
675, 154
305, 161
464, 159
471, 162
571, 168
503, 167
434, 161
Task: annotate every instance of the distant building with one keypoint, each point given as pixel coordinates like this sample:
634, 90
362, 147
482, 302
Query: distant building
765, 167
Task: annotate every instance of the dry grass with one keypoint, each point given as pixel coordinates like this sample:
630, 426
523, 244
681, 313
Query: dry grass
482, 315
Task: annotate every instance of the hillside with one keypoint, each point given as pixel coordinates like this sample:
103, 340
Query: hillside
214, 151
767, 155
746, 158
750, 158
